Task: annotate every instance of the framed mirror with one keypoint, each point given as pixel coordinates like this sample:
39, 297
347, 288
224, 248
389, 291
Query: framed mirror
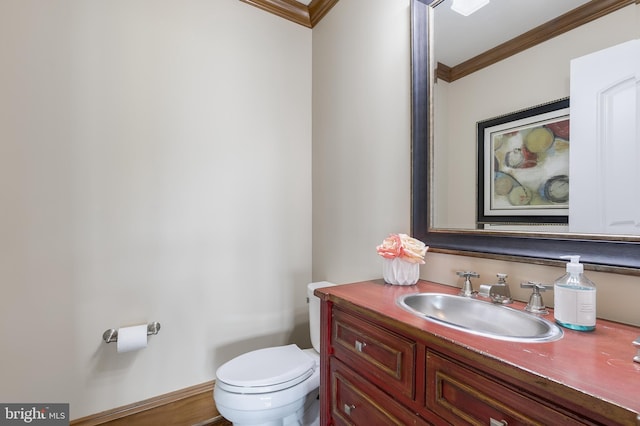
534, 244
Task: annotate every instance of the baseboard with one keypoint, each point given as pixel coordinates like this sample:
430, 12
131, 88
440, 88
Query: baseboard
192, 406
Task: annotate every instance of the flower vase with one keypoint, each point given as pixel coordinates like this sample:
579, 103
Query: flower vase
399, 272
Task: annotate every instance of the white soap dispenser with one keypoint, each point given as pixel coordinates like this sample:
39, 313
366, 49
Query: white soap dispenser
575, 298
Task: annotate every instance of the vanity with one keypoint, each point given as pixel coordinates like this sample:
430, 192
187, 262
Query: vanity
382, 365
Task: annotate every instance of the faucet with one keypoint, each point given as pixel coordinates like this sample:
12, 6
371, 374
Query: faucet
467, 288
536, 305
498, 292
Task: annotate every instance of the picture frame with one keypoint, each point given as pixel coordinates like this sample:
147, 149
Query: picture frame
523, 166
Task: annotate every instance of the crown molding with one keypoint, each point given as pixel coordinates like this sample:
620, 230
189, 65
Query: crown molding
295, 11
570, 20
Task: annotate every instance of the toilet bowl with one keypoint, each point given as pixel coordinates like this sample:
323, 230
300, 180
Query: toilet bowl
274, 386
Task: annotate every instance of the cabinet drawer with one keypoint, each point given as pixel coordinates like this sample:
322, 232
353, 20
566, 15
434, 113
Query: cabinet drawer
357, 402
462, 396
380, 355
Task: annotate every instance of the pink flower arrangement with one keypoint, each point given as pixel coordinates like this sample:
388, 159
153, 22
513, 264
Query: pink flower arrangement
404, 247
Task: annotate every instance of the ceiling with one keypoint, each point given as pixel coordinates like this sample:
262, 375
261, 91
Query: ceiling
495, 23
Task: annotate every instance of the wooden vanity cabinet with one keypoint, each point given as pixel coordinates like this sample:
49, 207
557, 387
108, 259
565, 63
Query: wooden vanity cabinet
383, 357
355, 401
375, 372
372, 373
462, 395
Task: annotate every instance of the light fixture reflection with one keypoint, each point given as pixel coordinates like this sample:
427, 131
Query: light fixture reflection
467, 7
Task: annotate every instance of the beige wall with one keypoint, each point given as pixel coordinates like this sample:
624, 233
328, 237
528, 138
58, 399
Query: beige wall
361, 154
154, 166
361, 135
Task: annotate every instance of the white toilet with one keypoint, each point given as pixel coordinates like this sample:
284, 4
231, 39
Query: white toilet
275, 386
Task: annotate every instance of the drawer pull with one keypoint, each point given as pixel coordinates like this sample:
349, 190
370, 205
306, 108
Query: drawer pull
360, 345
348, 408
494, 422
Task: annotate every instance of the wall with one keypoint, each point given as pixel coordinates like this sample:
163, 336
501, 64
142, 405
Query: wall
361, 170
154, 166
361, 135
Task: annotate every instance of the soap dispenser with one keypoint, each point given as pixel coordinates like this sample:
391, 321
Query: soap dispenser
575, 298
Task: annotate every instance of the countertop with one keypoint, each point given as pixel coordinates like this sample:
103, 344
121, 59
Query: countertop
598, 363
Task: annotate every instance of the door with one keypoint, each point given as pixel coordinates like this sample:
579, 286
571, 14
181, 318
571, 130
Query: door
604, 167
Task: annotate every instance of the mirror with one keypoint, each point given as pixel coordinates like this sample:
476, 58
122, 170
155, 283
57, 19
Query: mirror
534, 244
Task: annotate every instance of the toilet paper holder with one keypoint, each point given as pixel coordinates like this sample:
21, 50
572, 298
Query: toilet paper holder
111, 335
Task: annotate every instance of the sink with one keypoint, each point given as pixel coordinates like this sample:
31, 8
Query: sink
480, 317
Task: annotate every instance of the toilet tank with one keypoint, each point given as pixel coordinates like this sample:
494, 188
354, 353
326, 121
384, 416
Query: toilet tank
314, 312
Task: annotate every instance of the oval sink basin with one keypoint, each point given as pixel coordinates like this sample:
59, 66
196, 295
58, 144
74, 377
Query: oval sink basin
480, 317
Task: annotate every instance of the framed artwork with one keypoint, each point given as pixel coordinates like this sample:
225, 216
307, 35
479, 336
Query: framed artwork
523, 166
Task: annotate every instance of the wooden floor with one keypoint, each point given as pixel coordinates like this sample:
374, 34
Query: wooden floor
193, 406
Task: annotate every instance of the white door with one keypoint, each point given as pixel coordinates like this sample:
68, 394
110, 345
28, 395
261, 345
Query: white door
604, 166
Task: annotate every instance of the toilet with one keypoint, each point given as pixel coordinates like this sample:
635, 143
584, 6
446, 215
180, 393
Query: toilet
275, 386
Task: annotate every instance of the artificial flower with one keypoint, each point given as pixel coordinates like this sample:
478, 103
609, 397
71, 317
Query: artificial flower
404, 247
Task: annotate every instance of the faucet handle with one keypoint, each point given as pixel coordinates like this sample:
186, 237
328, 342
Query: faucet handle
537, 287
536, 304
467, 274
502, 278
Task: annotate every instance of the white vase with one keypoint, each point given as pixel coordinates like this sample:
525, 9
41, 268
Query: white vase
399, 272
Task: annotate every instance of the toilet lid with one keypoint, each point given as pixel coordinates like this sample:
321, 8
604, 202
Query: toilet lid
266, 370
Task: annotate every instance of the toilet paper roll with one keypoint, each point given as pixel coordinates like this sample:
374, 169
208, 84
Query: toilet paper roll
132, 338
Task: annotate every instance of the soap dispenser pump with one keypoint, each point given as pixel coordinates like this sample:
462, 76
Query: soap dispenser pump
575, 298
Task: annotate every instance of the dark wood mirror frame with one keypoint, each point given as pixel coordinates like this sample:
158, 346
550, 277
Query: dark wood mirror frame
599, 253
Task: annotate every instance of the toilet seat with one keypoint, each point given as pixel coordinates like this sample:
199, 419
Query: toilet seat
265, 370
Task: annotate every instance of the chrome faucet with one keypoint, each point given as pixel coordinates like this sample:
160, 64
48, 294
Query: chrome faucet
536, 304
498, 292
467, 287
